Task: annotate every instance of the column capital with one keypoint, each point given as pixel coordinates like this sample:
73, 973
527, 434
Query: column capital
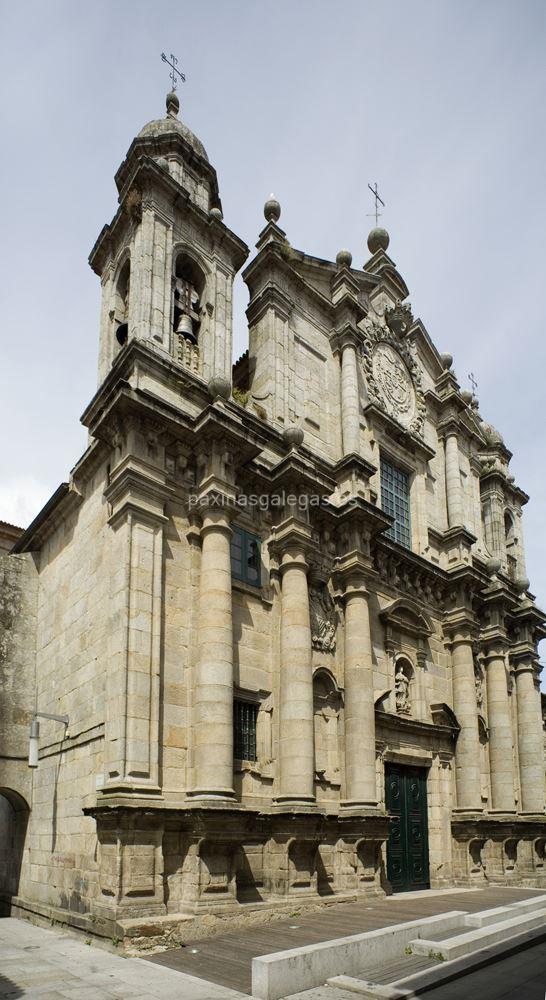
449, 427
291, 541
494, 645
346, 336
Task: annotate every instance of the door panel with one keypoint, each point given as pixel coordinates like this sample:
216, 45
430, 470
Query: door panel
407, 847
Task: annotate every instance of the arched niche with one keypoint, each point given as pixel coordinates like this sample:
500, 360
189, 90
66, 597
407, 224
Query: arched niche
326, 708
404, 685
407, 630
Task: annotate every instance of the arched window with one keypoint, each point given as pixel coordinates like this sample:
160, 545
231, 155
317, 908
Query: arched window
188, 287
121, 305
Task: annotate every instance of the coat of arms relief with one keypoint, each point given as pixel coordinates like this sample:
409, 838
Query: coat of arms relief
392, 374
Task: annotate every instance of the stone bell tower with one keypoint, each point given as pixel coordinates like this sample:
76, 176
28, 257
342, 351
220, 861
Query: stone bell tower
166, 260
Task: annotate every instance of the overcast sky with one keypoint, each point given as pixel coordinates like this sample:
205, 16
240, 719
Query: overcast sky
441, 102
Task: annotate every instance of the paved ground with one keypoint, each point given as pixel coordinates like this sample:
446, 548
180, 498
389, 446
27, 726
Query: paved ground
226, 959
49, 964
37, 962
520, 977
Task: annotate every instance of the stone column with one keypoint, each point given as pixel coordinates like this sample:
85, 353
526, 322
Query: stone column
296, 744
213, 702
350, 404
360, 772
467, 753
501, 754
453, 480
530, 739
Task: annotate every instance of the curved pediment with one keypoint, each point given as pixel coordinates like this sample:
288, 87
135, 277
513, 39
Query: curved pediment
408, 617
443, 715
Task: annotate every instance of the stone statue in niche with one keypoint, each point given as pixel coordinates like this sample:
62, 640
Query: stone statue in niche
322, 613
401, 688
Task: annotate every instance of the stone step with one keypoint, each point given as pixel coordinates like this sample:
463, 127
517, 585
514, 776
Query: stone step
478, 937
499, 913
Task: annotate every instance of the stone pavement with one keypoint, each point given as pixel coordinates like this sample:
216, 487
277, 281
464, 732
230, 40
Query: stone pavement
53, 965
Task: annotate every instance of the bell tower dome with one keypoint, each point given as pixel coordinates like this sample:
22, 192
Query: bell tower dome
166, 260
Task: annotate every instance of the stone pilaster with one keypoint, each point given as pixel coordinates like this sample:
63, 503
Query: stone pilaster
296, 743
136, 494
467, 753
453, 479
360, 774
213, 698
501, 755
530, 738
350, 402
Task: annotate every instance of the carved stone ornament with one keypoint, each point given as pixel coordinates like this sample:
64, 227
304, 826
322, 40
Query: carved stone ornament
323, 619
392, 376
399, 318
478, 680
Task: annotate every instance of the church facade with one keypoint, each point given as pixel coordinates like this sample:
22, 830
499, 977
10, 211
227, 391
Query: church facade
282, 603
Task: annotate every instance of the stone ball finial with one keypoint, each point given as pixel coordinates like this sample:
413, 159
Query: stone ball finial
493, 565
466, 396
219, 387
447, 361
173, 104
522, 584
293, 436
344, 258
216, 213
272, 209
378, 239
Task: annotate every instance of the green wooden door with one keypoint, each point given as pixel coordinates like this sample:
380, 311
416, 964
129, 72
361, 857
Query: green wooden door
407, 846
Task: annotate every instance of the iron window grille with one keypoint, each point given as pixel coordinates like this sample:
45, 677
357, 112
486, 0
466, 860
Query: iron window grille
245, 556
395, 500
245, 716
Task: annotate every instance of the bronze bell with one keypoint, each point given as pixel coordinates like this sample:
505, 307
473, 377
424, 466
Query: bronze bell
185, 328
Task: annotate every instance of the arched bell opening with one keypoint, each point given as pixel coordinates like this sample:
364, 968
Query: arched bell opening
121, 304
188, 288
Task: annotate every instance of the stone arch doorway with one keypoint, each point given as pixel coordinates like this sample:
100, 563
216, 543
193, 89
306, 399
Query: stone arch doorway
14, 814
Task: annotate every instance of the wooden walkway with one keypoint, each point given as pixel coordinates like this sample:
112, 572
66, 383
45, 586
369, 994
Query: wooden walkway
226, 959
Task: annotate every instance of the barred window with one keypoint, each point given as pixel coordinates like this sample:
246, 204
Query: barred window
245, 556
245, 715
395, 500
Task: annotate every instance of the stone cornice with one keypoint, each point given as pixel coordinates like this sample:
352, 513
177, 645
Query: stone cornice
400, 434
277, 256
148, 175
64, 500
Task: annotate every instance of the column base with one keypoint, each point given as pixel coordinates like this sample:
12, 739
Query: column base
212, 794
287, 804
468, 812
364, 806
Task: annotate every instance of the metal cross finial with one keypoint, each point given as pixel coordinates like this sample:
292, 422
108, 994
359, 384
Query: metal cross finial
174, 70
378, 200
473, 382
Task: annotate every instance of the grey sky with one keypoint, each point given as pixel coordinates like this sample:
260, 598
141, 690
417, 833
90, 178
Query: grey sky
441, 102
